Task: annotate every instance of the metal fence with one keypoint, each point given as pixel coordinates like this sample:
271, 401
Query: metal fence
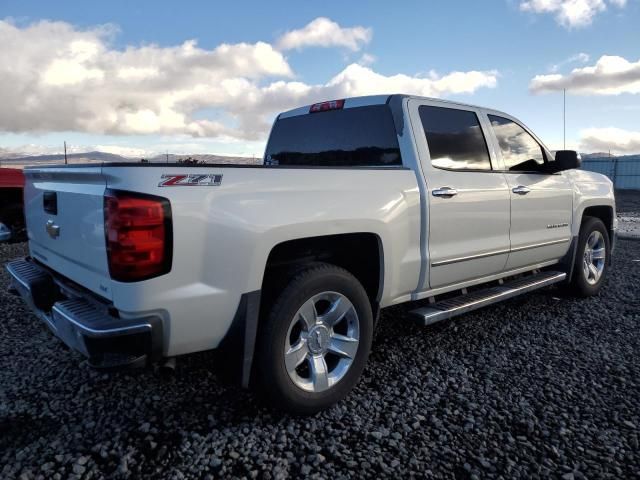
624, 173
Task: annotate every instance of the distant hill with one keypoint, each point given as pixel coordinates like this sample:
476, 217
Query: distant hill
59, 158
19, 160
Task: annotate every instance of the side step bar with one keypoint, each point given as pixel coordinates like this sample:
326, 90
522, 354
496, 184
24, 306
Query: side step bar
451, 307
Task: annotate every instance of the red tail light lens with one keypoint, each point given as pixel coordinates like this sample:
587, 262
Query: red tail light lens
138, 234
325, 106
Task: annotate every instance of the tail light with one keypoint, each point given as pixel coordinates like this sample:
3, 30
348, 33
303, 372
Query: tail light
138, 234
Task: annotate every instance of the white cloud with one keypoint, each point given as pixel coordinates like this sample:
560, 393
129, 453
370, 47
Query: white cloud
56, 77
604, 139
367, 59
359, 80
611, 75
577, 58
570, 13
323, 32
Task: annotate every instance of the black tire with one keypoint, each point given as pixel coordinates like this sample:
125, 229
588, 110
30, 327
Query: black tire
579, 284
271, 376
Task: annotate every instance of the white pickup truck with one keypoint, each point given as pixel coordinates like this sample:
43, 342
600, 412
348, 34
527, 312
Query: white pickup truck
361, 204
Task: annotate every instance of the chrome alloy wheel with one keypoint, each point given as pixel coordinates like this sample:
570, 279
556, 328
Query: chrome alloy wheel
322, 342
594, 257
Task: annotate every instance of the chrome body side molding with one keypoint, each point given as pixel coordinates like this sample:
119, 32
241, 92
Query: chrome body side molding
499, 252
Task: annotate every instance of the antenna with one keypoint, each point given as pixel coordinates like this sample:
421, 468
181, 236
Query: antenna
65, 152
564, 117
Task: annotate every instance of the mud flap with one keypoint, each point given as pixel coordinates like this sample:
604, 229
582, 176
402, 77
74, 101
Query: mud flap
238, 346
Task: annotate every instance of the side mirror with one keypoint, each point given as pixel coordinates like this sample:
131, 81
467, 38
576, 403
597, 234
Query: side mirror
566, 160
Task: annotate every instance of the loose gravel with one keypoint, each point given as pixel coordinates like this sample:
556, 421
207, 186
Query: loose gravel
541, 386
628, 203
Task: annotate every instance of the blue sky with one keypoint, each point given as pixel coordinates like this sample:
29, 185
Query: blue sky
101, 74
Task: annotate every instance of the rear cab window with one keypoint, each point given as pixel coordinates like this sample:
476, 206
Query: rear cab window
455, 138
350, 137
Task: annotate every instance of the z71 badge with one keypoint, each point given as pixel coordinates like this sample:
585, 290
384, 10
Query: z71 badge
191, 180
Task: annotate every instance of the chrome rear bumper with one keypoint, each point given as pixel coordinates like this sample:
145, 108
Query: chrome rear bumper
84, 323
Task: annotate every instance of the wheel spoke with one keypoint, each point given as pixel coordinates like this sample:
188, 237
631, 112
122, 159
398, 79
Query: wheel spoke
593, 271
343, 346
598, 254
308, 314
319, 373
338, 309
311, 337
296, 355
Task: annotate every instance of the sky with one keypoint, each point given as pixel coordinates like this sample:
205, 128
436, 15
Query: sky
146, 77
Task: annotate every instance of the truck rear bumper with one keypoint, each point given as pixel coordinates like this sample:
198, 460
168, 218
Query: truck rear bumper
85, 323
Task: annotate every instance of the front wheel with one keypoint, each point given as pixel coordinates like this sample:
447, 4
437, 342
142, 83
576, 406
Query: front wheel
592, 258
316, 340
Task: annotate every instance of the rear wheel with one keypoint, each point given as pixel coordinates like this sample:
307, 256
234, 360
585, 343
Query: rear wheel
316, 340
592, 258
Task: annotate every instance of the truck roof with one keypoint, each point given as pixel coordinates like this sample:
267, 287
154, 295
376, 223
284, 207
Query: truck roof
365, 100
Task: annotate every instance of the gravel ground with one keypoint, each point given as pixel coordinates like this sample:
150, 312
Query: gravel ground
628, 213
628, 201
542, 386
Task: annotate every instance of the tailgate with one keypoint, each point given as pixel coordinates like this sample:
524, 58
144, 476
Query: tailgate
64, 209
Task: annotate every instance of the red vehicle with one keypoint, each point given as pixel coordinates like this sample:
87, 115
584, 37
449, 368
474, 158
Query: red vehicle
11, 206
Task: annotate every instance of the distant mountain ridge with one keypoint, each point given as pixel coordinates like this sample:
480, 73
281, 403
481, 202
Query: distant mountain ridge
8, 160
74, 157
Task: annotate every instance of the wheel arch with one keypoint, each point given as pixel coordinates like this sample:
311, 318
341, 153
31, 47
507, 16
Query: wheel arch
347, 250
360, 253
603, 212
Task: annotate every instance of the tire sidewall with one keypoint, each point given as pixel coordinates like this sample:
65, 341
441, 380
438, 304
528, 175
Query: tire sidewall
590, 225
273, 376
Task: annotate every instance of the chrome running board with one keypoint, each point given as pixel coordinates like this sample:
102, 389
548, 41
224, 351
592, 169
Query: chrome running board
451, 307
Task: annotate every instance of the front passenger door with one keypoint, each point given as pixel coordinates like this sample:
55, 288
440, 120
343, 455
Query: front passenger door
541, 203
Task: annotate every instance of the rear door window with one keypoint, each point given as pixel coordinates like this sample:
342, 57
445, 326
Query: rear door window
520, 151
455, 138
360, 136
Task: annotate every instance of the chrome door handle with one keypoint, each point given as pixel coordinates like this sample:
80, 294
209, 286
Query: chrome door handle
521, 190
446, 192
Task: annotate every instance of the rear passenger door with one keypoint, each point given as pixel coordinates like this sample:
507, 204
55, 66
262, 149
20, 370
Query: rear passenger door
468, 202
541, 203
